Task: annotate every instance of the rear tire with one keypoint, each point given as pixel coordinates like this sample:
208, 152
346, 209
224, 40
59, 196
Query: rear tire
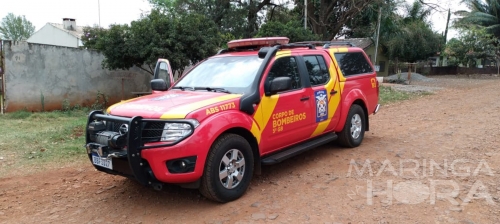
228, 169
354, 128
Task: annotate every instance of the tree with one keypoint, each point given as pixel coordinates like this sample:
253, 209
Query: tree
473, 43
412, 37
485, 13
328, 18
240, 18
293, 30
365, 23
16, 28
228, 16
183, 39
415, 41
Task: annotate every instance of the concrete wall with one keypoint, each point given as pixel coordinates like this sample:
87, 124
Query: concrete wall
59, 73
51, 35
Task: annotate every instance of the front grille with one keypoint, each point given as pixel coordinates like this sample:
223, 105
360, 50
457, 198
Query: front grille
152, 131
113, 126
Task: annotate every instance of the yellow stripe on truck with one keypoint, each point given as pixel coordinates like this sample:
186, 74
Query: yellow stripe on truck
118, 104
283, 53
182, 111
263, 114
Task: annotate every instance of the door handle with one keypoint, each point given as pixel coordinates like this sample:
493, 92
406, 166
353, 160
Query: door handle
304, 98
333, 92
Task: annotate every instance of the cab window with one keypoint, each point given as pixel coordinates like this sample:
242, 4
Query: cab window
285, 67
316, 67
353, 63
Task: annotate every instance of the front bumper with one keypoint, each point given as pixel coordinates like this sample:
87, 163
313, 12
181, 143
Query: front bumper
149, 163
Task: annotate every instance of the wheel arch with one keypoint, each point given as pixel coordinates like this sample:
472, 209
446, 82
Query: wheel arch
253, 143
351, 98
345, 111
362, 104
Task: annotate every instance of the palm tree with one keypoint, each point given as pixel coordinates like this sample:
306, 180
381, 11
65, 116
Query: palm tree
416, 12
412, 38
485, 13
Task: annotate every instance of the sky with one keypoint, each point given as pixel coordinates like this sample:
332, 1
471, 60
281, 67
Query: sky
86, 12
439, 16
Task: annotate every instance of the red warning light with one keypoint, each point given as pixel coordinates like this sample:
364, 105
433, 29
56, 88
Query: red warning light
258, 42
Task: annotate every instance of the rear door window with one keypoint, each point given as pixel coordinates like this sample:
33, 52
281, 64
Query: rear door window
353, 63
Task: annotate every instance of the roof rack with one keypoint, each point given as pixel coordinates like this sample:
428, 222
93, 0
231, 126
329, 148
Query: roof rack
327, 44
253, 48
294, 45
263, 51
338, 43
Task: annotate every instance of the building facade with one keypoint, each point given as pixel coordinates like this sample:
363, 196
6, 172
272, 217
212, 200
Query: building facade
67, 34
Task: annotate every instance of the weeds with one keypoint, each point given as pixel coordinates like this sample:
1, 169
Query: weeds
100, 102
66, 106
389, 95
35, 140
22, 114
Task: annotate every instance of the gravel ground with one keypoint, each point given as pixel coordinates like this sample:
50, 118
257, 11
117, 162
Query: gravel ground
404, 77
414, 88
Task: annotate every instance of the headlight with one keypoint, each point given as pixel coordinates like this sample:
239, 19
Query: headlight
174, 131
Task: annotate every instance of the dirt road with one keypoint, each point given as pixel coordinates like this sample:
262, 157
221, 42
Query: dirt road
430, 160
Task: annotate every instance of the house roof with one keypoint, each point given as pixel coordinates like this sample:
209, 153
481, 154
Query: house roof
358, 42
78, 32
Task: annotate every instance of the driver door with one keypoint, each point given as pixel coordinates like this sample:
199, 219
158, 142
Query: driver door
289, 120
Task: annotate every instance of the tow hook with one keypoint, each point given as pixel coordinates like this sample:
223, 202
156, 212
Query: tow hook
157, 186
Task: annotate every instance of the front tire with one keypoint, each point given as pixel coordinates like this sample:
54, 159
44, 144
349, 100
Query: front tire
354, 128
228, 169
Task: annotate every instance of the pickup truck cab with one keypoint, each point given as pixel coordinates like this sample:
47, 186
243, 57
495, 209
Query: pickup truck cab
257, 103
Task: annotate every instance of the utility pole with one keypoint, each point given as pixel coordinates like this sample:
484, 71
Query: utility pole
99, 9
378, 33
305, 14
447, 24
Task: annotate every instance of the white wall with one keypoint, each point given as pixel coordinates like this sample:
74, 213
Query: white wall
51, 35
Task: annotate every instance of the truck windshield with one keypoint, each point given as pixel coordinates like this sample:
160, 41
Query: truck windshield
233, 73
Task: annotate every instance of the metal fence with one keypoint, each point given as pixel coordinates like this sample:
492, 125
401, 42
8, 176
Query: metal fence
425, 69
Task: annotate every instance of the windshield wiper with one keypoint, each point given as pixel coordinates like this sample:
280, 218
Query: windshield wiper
183, 88
214, 89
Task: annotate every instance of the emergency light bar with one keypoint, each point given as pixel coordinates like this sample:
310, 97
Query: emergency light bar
258, 42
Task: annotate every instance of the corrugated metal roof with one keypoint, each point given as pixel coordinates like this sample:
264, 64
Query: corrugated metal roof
358, 42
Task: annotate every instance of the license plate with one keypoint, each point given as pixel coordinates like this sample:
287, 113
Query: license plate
102, 162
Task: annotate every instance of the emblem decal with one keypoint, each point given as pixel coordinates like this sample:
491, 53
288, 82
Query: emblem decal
123, 129
321, 105
165, 97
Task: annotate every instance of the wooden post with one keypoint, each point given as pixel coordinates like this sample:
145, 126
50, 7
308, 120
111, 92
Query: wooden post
409, 73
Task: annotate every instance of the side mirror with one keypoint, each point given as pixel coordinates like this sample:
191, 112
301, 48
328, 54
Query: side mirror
164, 71
279, 84
159, 85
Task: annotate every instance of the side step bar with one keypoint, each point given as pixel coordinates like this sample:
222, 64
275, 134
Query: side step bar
298, 149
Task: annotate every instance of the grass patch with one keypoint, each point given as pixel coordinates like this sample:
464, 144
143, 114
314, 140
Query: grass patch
29, 141
389, 95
